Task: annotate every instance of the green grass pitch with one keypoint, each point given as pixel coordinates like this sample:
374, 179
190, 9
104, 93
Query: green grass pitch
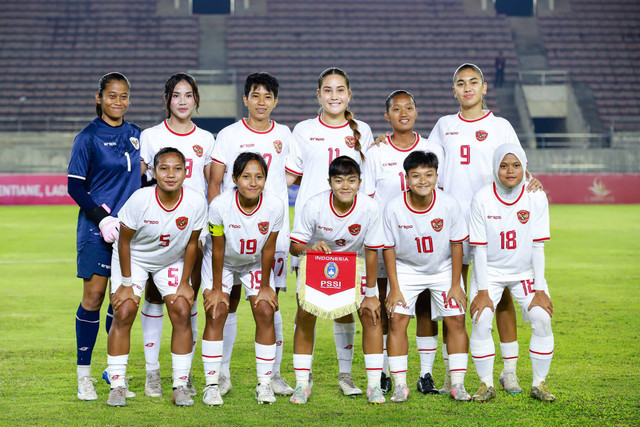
594, 277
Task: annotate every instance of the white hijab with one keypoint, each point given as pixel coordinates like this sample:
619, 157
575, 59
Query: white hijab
509, 193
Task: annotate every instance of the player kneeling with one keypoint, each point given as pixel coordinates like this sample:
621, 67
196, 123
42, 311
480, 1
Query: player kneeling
159, 229
244, 223
426, 229
508, 227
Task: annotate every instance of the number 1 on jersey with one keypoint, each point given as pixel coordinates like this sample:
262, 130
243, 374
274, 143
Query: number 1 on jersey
333, 151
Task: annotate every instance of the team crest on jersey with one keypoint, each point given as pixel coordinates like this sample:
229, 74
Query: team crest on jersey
277, 144
263, 227
135, 142
437, 224
198, 150
350, 141
354, 229
331, 270
481, 135
182, 222
523, 216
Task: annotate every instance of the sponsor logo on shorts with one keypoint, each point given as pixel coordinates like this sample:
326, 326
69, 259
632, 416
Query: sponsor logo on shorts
350, 141
354, 229
198, 150
263, 227
481, 135
138, 287
437, 224
277, 144
340, 242
182, 222
523, 216
134, 141
331, 270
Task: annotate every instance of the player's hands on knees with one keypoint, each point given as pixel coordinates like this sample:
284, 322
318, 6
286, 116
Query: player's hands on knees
457, 294
185, 291
212, 298
381, 139
541, 299
122, 294
321, 246
394, 298
479, 303
534, 185
373, 305
267, 294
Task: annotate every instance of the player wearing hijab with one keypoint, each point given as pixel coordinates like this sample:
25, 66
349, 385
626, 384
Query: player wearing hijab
159, 229
258, 133
509, 226
182, 98
384, 178
425, 231
315, 144
339, 220
104, 171
469, 139
244, 223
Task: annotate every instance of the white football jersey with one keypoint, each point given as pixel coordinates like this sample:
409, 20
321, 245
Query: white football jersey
351, 232
314, 145
422, 239
509, 230
384, 175
468, 152
245, 233
197, 147
161, 234
273, 145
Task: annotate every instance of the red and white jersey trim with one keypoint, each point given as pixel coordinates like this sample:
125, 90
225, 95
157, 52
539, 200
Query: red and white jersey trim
273, 125
177, 204
475, 120
243, 211
166, 124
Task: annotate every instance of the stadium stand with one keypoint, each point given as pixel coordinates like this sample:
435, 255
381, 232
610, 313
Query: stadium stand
599, 44
53, 53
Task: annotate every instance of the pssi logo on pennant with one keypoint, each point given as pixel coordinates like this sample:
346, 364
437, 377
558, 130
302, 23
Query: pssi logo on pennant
331, 270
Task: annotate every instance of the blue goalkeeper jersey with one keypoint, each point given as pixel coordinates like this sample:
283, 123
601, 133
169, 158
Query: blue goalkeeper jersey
107, 159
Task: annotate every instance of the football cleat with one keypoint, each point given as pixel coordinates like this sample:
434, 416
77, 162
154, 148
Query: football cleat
181, 396
117, 397
400, 393
385, 383
446, 386
211, 396
426, 386
300, 395
375, 395
280, 386
264, 394
458, 392
86, 389
224, 384
152, 385
542, 393
509, 382
190, 388
105, 377
484, 393
346, 385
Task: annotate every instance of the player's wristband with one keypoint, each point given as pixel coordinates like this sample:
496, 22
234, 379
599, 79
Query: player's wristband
127, 281
370, 292
97, 214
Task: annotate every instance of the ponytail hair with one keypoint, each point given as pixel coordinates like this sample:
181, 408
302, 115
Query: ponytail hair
104, 82
476, 69
348, 115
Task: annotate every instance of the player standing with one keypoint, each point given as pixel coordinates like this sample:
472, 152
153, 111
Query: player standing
469, 139
315, 144
181, 97
159, 229
244, 223
104, 171
508, 227
258, 133
425, 229
339, 220
384, 178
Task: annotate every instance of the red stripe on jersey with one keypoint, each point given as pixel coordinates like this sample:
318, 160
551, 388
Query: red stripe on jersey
331, 127
179, 134
291, 171
542, 354
478, 243
389, 247
177, 204
273, 124
482, 357
542, 239
211, 357
459, 241
495, 191
475, 120
353, 206
404, 150
148, 315
242, 210
217, 161
433, 202
297, 241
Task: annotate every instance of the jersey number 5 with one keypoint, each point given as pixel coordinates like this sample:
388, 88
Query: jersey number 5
164, 240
